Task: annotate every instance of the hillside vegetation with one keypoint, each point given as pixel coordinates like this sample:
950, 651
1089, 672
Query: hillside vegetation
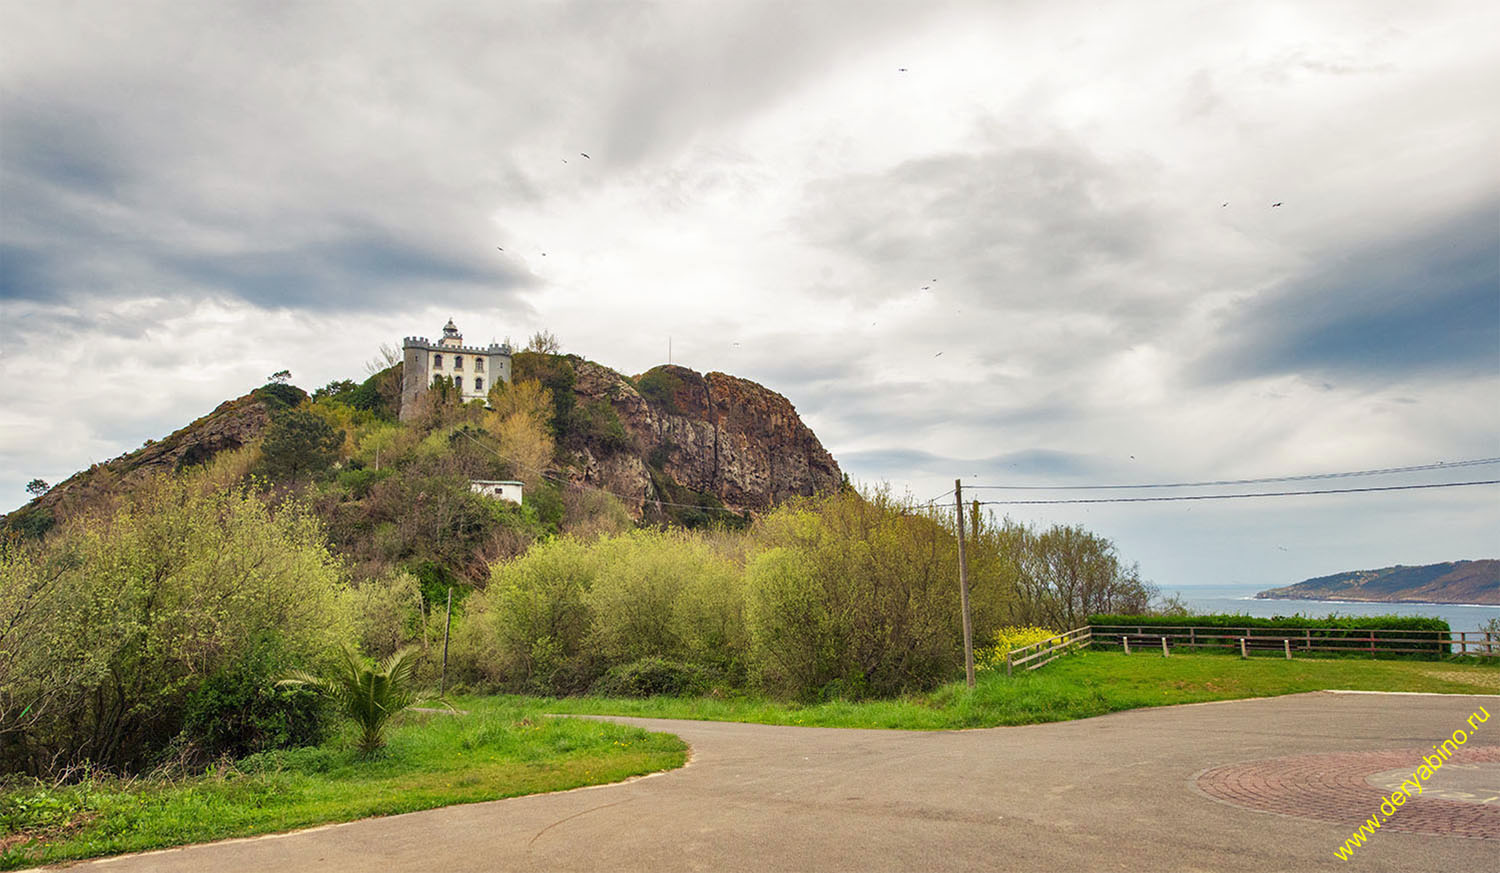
143, 625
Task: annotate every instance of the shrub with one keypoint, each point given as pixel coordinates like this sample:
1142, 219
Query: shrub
238, 712
854, 589
665, 594
992, 657
531, 623
653, 676
110, 626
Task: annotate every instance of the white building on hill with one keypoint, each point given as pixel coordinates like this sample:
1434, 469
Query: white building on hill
473, 370
499, 489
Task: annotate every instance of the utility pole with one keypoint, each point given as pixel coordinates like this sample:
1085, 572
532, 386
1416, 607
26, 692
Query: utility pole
443, 686
963, 583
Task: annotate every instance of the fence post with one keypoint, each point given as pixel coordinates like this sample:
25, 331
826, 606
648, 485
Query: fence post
1125, 638
1192, 638
1288, 649
1243, 653
1163, 647
1307, 632
1372, 644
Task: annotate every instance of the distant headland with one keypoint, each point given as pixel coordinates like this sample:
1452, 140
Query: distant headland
1452, 582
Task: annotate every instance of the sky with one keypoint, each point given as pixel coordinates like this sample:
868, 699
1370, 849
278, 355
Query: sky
1021, 243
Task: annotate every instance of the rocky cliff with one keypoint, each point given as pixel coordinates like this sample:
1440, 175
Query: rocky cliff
690, 435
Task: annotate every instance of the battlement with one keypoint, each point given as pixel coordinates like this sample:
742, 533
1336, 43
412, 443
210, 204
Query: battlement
426, 360
422, 342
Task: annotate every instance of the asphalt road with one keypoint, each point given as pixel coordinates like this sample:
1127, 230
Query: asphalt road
1116, 792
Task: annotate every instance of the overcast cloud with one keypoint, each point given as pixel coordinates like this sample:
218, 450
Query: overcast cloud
1014, 242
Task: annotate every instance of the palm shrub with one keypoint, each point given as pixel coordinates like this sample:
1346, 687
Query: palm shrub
371, 694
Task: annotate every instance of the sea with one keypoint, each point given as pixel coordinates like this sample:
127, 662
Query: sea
1240, 599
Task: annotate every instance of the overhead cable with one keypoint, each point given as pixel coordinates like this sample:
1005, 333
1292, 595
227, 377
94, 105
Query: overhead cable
1412, 469
1235, 496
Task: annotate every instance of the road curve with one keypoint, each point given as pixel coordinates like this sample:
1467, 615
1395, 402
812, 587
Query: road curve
1118, 792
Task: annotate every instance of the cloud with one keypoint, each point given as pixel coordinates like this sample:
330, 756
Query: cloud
1019, 226
1425, 304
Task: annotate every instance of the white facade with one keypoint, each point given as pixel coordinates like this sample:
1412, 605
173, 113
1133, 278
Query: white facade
473, 369
497, 489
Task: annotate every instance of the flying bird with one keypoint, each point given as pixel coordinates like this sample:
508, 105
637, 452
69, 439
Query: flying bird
1276, 204
1224, 204
501, 249
585, 155
938, 355
900, 69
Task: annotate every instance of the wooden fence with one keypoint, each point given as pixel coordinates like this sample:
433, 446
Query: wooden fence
1371, 641
1035, 655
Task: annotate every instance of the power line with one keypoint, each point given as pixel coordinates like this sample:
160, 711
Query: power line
1235, 496
1439, 466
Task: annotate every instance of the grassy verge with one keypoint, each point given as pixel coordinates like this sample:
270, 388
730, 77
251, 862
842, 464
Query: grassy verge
499, 749
1077, 686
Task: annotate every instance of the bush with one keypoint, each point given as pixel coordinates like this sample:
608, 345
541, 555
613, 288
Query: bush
853, 590
529, 626
558, 618
992, 657
650, 677
110, 626
358, 481
665, 594
238, 711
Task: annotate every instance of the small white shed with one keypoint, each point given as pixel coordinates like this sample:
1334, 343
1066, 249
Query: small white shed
499, 489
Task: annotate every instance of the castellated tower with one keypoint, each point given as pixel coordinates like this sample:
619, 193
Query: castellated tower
472, 369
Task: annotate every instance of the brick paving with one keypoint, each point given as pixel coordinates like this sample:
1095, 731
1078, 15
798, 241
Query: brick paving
1332, 788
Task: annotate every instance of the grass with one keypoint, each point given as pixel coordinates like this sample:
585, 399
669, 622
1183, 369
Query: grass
1077, 686
504, 747
499, 749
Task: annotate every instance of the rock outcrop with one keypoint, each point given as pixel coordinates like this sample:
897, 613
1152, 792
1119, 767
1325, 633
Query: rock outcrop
714, 435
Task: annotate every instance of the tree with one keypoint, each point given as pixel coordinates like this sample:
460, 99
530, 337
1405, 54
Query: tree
544, 342
387, 377
38, 487
339, 389
370, 694
280, 377
299, 442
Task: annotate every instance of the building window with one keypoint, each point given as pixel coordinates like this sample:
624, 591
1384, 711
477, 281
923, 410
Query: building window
458, 362
479, 365
478, 383
437, 362
458, 382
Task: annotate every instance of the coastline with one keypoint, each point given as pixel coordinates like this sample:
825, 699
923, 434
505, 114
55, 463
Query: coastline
1263, 596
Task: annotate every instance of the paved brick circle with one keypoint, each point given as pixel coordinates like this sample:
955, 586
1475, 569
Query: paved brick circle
1332, 788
